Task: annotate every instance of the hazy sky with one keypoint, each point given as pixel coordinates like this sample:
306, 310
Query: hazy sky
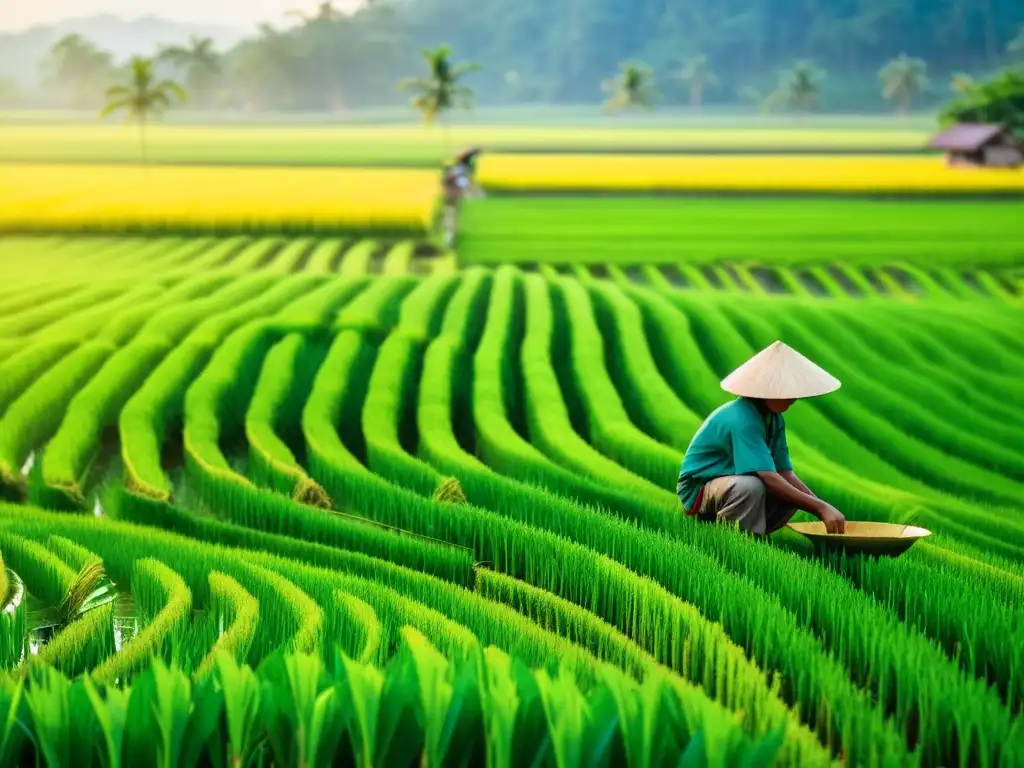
18, 14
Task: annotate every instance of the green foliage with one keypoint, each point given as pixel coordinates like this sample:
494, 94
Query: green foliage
421, 707
164, 602
999, 99
631, 87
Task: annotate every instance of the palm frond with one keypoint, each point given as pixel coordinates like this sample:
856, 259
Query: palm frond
115, 106
169, 85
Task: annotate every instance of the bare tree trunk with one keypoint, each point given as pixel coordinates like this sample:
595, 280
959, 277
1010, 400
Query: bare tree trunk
142, 142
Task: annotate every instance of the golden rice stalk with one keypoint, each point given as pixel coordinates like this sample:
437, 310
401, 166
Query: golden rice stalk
450, 492
85, 584
309, 492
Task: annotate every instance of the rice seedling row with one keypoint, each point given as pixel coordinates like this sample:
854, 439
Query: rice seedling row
308, 454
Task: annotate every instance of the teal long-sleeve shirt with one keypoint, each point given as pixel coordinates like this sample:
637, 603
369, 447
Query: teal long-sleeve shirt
739, 438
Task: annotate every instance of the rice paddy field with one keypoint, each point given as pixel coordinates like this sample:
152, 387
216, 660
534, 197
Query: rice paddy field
411, 144
284, 482
204, 199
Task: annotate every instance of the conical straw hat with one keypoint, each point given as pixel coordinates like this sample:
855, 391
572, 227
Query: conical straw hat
778, 372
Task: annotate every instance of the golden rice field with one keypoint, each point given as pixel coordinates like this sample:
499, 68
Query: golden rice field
414, 144
128, 198
740, 173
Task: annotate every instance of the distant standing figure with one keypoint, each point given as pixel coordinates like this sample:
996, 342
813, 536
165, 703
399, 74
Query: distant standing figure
737, 467
458, 181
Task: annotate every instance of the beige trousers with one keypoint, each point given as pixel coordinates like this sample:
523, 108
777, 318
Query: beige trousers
744, 499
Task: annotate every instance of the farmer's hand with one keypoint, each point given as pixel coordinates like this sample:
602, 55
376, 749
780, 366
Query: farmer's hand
832, 518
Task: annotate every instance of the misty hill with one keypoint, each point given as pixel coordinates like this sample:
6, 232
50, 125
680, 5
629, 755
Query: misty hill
21, 52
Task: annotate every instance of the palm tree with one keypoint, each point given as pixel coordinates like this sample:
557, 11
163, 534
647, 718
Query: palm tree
698, 76
440, 91
201, 63
631, 87
800, 86
143, 98
77, 64
903, 79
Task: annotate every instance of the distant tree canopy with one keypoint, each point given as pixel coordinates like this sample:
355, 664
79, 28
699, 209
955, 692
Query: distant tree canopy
999, 100
698, 51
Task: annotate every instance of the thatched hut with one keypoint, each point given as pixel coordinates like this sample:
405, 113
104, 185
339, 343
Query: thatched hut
980, 145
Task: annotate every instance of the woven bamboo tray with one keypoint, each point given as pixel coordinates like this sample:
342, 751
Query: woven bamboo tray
886, 539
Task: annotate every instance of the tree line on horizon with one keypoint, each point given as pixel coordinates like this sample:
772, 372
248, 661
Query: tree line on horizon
702, 52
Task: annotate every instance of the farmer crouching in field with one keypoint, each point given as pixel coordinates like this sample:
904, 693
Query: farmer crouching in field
737, 466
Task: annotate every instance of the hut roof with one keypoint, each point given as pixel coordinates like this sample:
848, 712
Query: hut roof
967, 137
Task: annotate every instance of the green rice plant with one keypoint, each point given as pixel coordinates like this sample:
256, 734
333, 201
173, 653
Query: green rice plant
35, 415
237, 614
83, 644
356, 259
376, 310
550, 418
97, 406
19, 370
572, 622
453, 528
991, 446
5, 583
944, 606
396, 611
292, 253
301, 714
13, 636
38, 318
574, 526
325, 252
498, 425
388, 420
399, 258
387, 415
255, 254
158, 720
650, 402
295, 609
71, 453
74, 555
447, 706
292, 531
423, 310
313, 312
334, 405
829, 283
920, 355
17, 298
45, 575
791, 283
361, 632
165, 602
285, 376
160, 401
